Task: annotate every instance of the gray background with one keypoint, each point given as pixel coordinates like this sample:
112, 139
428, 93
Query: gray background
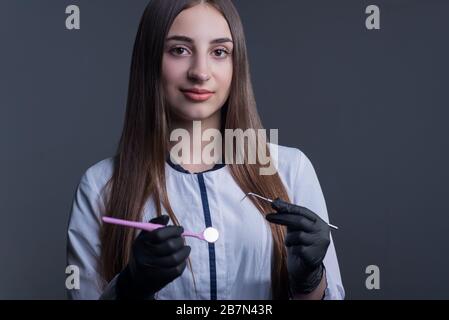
369, 108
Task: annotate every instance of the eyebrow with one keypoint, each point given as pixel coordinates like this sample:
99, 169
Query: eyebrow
189, 40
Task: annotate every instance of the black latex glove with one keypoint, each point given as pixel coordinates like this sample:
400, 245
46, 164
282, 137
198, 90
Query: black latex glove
158, 257
307, 240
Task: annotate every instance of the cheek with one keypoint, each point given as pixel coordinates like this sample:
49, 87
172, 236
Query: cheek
225, 77
172, 72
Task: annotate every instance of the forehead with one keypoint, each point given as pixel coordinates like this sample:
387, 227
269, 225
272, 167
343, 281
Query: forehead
201, 22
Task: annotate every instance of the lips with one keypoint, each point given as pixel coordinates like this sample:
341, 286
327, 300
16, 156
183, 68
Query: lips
197, 95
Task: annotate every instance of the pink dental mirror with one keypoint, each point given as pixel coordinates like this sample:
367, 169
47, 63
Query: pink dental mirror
209, 234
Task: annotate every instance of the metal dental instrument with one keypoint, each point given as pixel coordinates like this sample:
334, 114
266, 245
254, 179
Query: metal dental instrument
271, 201
209, 234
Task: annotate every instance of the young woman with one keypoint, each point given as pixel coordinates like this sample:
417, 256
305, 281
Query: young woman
190, 64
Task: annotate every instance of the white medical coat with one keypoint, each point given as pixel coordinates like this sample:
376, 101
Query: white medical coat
237, 266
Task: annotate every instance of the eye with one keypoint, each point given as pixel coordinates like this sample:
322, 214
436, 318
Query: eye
221, 53
179, 51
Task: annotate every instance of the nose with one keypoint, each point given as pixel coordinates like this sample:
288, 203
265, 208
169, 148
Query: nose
199, 70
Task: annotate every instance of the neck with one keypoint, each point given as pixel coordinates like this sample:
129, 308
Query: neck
195, 131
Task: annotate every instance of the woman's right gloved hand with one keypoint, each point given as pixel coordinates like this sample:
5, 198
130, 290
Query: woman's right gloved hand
158, 257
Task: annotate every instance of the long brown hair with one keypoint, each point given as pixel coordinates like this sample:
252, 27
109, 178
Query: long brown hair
139, 164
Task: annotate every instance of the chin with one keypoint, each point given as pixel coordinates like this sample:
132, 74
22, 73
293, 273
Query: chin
197, 116
196, 113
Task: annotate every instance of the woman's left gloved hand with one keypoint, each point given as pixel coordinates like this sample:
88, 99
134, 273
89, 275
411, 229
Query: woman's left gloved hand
307, 240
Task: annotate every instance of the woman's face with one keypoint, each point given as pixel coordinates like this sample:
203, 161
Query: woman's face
197, 63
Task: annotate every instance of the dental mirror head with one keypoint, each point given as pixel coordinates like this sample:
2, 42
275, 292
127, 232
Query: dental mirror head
210, 235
